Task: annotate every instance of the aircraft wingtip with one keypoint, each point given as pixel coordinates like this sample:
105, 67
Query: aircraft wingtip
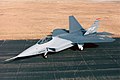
114, 39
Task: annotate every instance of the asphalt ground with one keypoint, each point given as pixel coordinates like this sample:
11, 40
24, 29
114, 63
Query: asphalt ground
96, 62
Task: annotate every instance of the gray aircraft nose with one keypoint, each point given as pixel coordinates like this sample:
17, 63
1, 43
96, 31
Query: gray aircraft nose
33, 50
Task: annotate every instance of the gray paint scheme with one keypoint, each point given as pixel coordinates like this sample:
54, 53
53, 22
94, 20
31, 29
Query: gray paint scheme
77, 33
62, 39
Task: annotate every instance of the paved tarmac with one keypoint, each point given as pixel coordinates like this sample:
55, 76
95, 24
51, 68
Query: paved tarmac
95, 62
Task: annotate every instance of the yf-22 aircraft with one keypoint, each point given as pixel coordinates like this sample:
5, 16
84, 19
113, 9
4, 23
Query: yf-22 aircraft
62, 39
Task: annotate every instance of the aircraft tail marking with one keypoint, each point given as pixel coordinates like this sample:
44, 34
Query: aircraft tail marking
93, 28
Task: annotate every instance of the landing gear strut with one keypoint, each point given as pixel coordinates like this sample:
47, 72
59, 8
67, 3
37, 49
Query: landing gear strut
45, 55
80, 46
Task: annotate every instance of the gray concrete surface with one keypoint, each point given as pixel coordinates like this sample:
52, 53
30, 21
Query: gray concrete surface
95, 62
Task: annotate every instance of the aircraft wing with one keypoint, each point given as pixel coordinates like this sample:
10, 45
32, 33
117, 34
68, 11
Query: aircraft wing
88, 39
57, 32
104, 33
95, 39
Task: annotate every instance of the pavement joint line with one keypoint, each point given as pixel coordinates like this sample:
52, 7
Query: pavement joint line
112, 58
17, 73
77, 67
25, 44
66, 68
2, 43
88, 67
67, 71
54, 73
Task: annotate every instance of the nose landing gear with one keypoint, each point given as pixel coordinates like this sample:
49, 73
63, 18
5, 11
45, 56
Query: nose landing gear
45, 54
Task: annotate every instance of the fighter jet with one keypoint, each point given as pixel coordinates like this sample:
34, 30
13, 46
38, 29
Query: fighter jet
62, 39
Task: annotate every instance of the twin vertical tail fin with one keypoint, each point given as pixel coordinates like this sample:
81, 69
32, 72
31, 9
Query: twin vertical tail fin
93, 28
75, 26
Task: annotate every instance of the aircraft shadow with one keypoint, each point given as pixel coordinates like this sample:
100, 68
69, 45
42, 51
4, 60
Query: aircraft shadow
103, 64
88, 45
74, 48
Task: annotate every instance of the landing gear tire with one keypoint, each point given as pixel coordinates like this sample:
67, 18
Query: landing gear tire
45, 57
81, 48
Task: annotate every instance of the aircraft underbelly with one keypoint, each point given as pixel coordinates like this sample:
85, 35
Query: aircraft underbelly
60, 48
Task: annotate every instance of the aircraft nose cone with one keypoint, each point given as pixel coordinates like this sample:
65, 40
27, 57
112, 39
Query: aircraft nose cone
30, 51
33, 50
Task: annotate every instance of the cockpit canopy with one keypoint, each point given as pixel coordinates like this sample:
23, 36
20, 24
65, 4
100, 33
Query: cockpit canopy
45, 40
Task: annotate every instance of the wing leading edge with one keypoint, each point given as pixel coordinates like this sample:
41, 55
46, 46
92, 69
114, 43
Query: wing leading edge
57, 32
92, 39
